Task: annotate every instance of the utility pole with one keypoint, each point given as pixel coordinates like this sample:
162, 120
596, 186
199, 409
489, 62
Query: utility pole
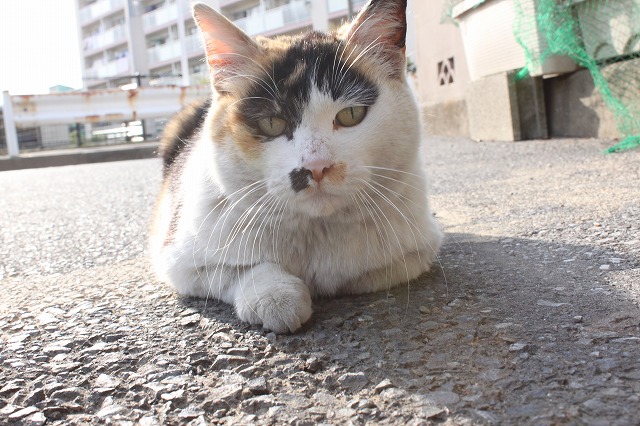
350, 3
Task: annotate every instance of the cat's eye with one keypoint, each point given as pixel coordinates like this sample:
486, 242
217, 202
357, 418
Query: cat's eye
351, 116
272, 126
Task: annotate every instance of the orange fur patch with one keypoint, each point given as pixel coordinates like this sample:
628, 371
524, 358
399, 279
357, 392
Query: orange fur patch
337, 173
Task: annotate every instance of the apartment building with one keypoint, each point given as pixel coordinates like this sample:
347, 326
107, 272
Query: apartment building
158, 39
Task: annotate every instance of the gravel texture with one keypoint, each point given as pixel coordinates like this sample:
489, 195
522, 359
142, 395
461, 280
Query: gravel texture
532, 316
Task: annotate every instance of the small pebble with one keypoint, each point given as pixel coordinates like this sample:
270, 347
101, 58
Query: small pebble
517, 347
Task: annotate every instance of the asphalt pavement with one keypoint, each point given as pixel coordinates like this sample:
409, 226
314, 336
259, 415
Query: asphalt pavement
531, 317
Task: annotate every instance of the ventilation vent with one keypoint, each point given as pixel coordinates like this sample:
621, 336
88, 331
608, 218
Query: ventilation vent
446, 72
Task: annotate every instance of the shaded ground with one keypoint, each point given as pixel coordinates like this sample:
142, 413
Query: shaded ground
532, 318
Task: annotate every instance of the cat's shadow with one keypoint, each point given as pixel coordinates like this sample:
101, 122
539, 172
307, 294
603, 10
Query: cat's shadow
460, 319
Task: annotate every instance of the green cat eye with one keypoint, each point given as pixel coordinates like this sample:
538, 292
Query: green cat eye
351, 116
272, 126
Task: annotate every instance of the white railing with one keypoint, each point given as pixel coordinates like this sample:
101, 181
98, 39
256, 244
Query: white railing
186, 8
108, 69
199, 78
159, 17
342, 5
273, 19
98, 9
194, 44
106, 38
94, 106
337, 5
164, 52
242, 24
173, 50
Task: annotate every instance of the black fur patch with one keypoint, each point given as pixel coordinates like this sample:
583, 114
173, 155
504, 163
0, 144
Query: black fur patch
314, 59
299, 179
179, 130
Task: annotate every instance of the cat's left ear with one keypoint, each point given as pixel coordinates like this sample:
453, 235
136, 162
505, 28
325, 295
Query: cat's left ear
230, 52
382, 26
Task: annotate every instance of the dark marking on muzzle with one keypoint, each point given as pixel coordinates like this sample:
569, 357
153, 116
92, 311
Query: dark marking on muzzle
300, 179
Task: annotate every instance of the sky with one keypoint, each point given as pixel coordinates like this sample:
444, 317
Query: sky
38, 46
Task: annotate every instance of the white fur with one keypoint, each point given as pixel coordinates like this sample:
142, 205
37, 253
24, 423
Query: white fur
246, 238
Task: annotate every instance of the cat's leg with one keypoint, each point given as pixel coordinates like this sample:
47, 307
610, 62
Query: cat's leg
268, 295
400, 271
263, 294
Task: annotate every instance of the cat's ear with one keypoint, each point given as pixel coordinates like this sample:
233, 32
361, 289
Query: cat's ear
230, 52
381, 26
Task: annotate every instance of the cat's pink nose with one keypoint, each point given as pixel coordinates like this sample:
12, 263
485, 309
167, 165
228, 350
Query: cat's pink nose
318, 169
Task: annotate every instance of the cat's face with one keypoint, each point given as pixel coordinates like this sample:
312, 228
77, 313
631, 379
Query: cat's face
315, 117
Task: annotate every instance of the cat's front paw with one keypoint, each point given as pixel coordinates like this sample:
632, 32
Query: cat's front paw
269, 296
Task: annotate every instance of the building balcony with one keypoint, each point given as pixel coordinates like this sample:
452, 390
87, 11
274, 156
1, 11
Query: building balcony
194, 45
165, 15
164, 52
224, 3
337, 6
172, 51
113, 35
276, 18
99, 9
104, 70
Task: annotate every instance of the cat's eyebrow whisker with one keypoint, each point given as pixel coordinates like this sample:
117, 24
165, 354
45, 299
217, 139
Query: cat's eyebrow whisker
248, 97
275, 86
260, 82
348, 42
370, 46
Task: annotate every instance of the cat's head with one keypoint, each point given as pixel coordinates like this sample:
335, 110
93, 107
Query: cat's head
315, 116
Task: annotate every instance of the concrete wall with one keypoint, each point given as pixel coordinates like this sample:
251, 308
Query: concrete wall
443, 76
576, 109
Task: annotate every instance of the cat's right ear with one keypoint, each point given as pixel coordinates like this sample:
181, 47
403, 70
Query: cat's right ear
230, 52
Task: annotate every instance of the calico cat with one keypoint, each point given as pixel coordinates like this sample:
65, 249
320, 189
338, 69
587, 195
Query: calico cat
302, 176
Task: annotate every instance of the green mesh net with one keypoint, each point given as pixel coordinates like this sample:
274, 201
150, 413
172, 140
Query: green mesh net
602, 36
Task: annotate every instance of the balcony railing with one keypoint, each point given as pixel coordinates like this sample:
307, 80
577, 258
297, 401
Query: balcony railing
164, 52
99, 9
166, 14
173, 49
194, 45
108, 69
342, 5
161, 16
106, 38
276, 18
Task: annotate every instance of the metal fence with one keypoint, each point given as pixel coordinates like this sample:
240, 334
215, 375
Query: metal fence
92, 118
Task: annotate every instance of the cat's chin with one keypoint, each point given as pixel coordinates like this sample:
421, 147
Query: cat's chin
320, 204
